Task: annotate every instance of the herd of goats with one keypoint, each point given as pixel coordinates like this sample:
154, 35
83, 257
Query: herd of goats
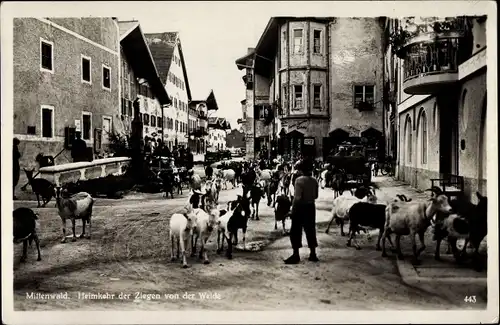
202, 215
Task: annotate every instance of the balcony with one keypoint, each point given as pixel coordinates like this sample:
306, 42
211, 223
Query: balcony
432, 50
202, 115
198, 132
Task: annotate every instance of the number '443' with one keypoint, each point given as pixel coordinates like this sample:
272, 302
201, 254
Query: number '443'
470, 299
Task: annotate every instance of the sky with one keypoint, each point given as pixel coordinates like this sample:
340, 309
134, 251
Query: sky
211, 42
216, 33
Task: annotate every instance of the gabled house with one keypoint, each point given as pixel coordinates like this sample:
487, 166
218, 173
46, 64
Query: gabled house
140, 81
198, 133
166, 50
66, 79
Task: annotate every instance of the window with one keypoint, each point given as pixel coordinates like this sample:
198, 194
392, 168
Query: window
153, 120
408, 139
297, 41
176, 125
317, 42
146, 119
159, 121
175, 102
106, 77
423, 138
46, 56
284, 99
86, 125
297, 96
86, 70
317, 96
124, 106
364, 94
47, 121
130, 108
262, 112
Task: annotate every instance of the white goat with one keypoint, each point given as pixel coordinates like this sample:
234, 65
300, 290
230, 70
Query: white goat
229, 176
181, 230
205, 224
341, 206
412, 218
78, 206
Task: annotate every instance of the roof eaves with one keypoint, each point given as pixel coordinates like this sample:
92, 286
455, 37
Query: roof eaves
129, 31
184, 69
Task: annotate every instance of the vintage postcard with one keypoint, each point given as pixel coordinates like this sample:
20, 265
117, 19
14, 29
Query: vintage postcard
162, 160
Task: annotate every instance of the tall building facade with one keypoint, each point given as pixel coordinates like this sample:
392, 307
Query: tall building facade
66, 75
166, 50
439, 73
313, 83
140, 81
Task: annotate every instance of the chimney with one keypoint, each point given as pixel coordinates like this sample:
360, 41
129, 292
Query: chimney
250, 50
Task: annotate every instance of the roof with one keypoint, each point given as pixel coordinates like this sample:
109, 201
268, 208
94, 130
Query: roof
162, 47
218, 123
211, 102
242, 63
137, 54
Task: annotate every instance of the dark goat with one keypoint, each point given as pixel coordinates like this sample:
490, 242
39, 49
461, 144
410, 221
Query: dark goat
368, 215
256, 194
282, 210
248, 178
197, 200
468, 222
25, 230
41, 187
229, 223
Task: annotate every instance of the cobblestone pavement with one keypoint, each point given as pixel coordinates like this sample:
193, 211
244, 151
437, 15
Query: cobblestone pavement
130, 253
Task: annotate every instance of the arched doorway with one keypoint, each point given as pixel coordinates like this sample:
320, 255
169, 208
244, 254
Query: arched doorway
372, 138
334, 138
408, 142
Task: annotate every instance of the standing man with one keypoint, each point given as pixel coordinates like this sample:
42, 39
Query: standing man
304, 213
16, 155
79, 149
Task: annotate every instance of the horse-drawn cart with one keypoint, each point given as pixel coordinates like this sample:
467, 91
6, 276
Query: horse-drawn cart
357, 169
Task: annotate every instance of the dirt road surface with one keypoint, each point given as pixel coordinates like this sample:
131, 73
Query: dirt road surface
129, 256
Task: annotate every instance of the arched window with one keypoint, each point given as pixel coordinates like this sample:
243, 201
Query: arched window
465, 114
408, 146
422, 136
436, 116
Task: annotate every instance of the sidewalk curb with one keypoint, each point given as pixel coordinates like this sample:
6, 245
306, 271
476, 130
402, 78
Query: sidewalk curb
410, 276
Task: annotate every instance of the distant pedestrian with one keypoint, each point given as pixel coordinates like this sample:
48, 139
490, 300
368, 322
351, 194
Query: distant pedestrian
16, 169
189, 160
79, 149
304, 213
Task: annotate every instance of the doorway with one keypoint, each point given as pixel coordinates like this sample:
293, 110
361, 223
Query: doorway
448, 136
106, 129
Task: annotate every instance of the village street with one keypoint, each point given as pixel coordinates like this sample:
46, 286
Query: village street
129, 253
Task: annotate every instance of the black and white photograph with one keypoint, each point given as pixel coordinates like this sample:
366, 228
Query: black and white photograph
261, 158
